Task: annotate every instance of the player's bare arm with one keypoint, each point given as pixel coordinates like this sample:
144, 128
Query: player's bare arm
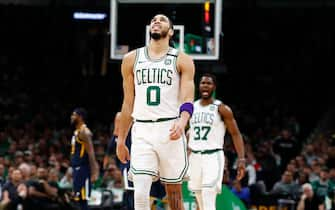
235, 133
185, 66
86, 136
127, 65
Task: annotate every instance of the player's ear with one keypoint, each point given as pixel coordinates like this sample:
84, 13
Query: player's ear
171, 32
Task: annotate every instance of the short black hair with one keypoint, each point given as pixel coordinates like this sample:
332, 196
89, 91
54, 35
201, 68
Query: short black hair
211, 76
171, 23
82, 112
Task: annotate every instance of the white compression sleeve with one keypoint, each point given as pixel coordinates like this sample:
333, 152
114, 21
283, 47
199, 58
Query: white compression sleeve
209, 198
142, 186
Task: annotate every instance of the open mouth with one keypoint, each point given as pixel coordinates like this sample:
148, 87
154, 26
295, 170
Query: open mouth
205, 93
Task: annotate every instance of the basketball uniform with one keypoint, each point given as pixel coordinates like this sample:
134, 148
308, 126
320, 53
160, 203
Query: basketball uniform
156, 108
206, 139
81, 169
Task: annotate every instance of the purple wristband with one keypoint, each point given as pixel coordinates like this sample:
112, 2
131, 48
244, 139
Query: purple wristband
188, 107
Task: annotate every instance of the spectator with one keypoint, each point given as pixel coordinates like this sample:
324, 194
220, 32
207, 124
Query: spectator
241, 192
292, 167
301, 162
330, 163
321, 186
2, 178
269, 172
14, 191
109, 175
286, 147
26, 171
118, 189
331, 180
250, 177
53, 176
310, 201
301, 179
33, 170
316, 170
286, 187
41, 192
18, 158
309, 153
28, 156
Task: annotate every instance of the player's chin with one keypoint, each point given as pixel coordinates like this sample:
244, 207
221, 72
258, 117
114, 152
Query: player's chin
207, 96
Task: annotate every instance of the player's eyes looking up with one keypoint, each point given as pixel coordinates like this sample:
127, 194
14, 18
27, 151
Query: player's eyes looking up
161, 19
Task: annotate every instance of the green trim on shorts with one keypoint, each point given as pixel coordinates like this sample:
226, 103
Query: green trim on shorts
180, 178
213, 184
209, 151
135, 171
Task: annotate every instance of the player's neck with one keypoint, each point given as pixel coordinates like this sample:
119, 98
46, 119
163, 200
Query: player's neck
79, 125
158, 48
206, 101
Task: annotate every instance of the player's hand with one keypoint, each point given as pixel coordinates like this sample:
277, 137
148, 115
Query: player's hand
95, 172
176, 130
94, 176
240, 169
122, 153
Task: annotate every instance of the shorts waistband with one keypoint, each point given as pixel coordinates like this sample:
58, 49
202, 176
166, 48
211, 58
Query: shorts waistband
158, 120
209, 151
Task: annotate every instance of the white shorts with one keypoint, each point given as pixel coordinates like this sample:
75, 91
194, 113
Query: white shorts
153, 153
206, 171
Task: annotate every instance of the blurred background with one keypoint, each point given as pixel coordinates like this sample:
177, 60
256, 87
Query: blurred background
274, 69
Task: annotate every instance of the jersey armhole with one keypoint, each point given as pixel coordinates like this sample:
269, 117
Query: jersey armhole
175, 55
137, 55
219, 103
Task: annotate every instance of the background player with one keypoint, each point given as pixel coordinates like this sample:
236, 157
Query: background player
206, 138
83, 162
129, 194
158, 84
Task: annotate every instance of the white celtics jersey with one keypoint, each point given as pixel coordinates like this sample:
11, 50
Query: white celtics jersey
207, 129
157, 84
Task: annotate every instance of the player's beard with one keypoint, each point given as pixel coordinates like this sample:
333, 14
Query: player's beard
158, 36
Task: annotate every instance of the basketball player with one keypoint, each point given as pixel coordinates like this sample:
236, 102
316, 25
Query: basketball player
158, 85
208, 125
129, 194
83, 162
